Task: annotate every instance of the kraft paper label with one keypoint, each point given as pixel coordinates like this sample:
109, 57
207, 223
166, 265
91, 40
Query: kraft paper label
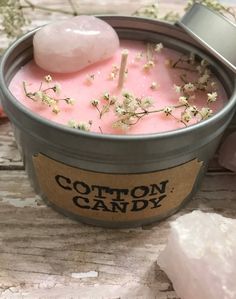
118, 197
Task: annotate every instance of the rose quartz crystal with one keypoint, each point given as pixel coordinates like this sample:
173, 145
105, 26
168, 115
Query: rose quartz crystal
71, 45
227, 153
200, 257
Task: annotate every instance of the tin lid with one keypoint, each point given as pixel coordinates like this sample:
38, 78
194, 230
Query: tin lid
215, 32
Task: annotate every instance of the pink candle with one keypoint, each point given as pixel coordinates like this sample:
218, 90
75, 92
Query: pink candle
167, 95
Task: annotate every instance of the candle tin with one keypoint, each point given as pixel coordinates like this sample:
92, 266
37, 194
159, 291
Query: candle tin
116, 180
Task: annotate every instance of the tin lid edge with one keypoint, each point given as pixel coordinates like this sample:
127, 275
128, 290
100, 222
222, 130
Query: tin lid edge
213, 31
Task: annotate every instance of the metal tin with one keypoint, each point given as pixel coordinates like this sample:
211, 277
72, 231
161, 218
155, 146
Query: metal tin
215, 32
112, 154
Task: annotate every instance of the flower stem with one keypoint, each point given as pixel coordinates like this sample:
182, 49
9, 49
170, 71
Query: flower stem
159, 110
33, 6
29, 95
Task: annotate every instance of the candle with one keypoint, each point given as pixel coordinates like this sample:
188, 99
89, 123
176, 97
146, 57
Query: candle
161, 90
170, 91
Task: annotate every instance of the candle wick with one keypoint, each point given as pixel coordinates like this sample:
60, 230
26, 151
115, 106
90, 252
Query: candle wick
123, 63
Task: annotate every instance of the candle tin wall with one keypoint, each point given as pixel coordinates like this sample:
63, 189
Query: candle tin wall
110, 180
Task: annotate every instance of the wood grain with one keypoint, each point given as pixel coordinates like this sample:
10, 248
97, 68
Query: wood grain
40, 249
45, 255
9, 155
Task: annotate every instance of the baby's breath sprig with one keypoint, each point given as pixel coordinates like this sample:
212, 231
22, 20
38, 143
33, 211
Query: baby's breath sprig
104, 108
132, 109
12, 18
80, 125
158, 47
202, 83
47, 95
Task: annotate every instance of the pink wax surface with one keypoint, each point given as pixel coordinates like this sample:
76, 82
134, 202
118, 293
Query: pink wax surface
138, 83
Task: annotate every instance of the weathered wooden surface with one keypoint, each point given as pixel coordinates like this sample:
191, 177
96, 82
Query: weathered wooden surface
44, 255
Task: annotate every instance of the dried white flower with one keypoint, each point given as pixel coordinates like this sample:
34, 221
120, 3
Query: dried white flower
186, 116
168, 110
131, 106
192, 110
183, 100
57, 88
56, 109
119, 110
154, 86
84, 126
106, 96
151, 63
95, 102
189, 87
70, 101
38, 95
177, 88
212, 97
113, 100
48, 100
205, 112
73, 124
48, 79
121, 125
146, 103
147, 66
158, 47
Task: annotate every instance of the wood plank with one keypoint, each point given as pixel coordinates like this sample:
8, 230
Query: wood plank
9, 154
43, 253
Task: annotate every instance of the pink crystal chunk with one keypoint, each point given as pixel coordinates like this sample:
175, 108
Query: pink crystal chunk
200, 256
71, 45
227, 153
